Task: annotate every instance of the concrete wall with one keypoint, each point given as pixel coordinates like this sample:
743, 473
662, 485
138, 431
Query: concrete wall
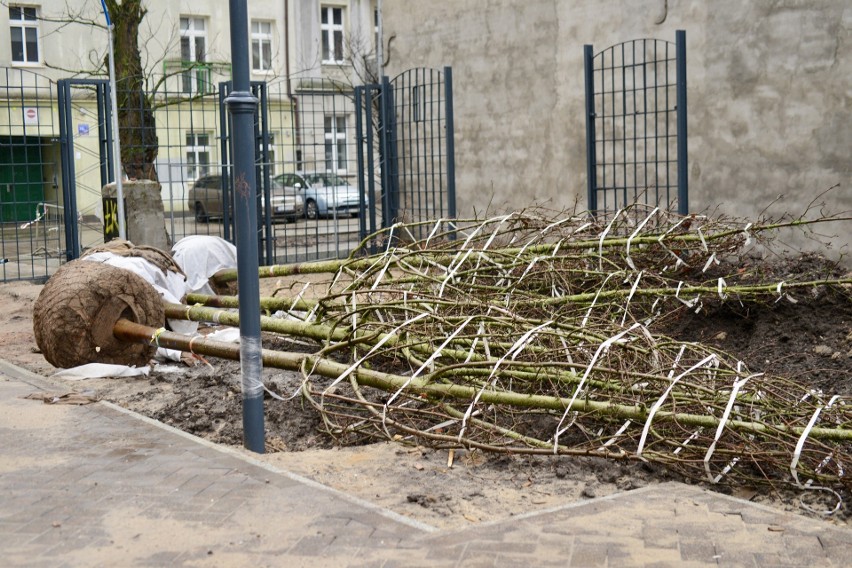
769, 88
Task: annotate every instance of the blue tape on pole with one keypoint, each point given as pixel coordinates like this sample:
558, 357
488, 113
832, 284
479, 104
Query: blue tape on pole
106, 13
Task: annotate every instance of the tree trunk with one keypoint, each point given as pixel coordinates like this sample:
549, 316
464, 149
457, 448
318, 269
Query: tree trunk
136, 124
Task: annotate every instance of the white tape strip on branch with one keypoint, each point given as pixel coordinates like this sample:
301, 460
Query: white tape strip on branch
512, 353
738, 384
602, 348
665, 395
801, 443
636, 232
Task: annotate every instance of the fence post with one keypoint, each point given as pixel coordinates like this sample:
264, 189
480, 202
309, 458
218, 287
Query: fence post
359, 155
242, 106
224, 147
69, 189
591, 155
682, 169
266, 253
451, 148
388, 159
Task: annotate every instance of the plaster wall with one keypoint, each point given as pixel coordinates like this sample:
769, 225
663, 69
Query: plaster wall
769, 90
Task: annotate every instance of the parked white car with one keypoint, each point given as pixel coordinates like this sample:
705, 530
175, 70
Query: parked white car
326, 194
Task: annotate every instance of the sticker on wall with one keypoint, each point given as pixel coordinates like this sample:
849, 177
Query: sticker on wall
83, 129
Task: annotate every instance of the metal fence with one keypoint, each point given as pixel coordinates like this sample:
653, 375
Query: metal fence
309, 138
636, 125
407, 150
31, 228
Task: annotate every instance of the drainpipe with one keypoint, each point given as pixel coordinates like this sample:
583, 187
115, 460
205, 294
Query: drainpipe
380, 41
294, 102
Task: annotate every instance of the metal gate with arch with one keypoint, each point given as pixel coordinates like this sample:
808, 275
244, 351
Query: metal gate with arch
636, 141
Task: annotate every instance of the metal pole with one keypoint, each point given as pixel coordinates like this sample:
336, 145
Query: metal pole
380, 68
69, 189
242, 106
116, 144
451, 147
682, 158
591, 156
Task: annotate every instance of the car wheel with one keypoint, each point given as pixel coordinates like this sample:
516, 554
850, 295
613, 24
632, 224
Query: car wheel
311, 210
200, 214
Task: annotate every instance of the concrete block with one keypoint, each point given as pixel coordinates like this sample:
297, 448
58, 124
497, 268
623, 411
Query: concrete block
144, 212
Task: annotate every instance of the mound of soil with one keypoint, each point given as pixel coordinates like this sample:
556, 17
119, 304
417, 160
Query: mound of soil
805, 335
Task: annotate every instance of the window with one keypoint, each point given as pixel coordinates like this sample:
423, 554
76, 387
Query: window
197, 155
193, 49
261, 46
23, 28
332, 34
335, 143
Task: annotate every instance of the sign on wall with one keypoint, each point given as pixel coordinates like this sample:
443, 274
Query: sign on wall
30, 115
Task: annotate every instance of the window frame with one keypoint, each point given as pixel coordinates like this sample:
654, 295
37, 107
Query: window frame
194, 80
25, 24
335, 139
328, 29
261, 38
196, 168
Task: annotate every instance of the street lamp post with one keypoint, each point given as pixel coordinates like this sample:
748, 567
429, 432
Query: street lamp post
242, 106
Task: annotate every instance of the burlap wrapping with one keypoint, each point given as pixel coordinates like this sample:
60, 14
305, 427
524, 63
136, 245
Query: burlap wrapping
74, 315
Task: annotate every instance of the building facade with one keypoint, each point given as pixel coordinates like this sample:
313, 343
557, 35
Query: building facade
296, 46
769, 89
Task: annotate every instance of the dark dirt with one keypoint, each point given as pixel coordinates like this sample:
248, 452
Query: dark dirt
809, 340
805, 335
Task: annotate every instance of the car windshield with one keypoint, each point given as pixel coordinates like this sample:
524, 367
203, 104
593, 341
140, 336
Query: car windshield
325, 179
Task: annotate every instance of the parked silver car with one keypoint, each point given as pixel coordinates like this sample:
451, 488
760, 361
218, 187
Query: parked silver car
326, 194
205, 200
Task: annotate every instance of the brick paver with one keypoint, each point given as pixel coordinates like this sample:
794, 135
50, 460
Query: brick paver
73, 478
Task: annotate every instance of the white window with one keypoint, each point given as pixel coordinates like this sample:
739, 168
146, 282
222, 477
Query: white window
197, 154
261, 46
335, 144
332, 34
23, 29
193, 50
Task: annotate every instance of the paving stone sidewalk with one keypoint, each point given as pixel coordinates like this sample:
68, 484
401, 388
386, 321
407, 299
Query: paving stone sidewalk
96, 485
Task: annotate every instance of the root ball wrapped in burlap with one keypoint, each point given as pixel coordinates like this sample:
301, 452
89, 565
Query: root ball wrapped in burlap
74, 315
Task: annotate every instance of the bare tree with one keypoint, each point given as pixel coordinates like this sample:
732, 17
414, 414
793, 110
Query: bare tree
137, 126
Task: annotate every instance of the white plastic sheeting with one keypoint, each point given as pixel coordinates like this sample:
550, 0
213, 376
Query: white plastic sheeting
171, 285
201, 257
101, 371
